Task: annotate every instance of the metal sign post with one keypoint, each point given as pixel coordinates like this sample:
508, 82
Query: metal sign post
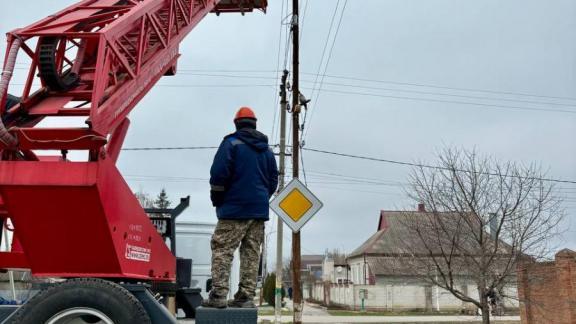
296, 205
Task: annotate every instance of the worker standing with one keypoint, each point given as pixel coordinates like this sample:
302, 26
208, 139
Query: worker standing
243, 177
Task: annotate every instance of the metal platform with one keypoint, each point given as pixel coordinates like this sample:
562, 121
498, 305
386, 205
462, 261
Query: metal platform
6, 311
226, 315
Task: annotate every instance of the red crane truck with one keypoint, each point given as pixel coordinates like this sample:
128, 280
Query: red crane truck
79, 221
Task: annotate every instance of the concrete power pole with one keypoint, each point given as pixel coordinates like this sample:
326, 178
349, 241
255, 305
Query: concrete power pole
282, 173
296, 284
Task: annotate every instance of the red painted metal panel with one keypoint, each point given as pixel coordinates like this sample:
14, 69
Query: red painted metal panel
13, 260
84, 221
117, 139
50, 106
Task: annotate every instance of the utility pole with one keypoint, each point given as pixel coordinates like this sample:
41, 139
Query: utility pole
282, 173
296, 285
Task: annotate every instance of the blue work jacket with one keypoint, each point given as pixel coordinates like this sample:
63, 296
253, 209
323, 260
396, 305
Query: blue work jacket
245, 169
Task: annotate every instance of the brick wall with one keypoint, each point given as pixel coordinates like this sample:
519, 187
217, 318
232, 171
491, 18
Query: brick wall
547, 290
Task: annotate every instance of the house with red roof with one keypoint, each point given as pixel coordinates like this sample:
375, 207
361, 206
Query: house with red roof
387, 271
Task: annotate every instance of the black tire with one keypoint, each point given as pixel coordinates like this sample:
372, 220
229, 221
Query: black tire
111, 299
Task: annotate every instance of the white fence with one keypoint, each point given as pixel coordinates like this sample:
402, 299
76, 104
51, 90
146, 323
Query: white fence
389, 297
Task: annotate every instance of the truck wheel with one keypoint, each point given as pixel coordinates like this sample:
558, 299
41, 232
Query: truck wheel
78, 301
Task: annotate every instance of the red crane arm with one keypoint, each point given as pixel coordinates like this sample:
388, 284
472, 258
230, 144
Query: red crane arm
98, 59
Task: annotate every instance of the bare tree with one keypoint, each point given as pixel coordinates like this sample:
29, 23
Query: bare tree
482, 217
144, 198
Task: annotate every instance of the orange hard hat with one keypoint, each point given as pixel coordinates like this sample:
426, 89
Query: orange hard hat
245, 112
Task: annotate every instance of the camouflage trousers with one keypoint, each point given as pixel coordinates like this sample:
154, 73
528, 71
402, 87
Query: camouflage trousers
228, 235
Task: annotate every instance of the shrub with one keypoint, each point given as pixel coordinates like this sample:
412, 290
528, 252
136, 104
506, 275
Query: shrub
269, 289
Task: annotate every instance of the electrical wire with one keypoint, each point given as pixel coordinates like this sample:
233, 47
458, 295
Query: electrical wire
214, 85
303, 18
276, 76
449, 101
174, 148
319, 91
415, 84
234, 76
355, 179
449, 94
368, 158
231, 71
302, 166
524, 94
427, 165
288, 50
396, 90
327, 41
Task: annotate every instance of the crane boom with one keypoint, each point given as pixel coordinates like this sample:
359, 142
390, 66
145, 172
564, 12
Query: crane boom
104, 56
96, 59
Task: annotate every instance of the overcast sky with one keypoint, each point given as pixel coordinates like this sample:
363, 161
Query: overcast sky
493, 48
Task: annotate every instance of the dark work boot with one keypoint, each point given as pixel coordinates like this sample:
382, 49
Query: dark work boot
241, 300
215, 301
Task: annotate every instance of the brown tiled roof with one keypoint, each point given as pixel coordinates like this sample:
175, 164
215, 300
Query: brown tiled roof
394, 238
310, 259
566, 253
339, 259
391, 233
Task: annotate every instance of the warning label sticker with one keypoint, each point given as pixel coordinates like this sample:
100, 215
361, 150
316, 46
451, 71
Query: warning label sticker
137, 253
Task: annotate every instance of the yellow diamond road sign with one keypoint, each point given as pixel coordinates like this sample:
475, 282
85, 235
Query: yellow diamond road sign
295, 205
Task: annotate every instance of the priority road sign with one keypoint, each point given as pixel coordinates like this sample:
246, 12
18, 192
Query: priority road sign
295, 204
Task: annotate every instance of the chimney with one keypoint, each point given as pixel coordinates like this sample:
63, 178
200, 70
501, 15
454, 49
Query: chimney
383, 222
421, 207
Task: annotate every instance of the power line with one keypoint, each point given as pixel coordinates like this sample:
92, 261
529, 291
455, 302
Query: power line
392, 89
175, 148
304, 18
192, 71
449, 94
496, 106
319, 91
303, 168
415, 84
198, 85
213, 85
325, 48
316, 79
287, 47
447, 87
231, 76
427, 165
362, 180
359, 190
404, 163
276, 76
228, 70
449, 101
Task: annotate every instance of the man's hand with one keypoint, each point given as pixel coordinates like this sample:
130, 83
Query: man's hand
217, 198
